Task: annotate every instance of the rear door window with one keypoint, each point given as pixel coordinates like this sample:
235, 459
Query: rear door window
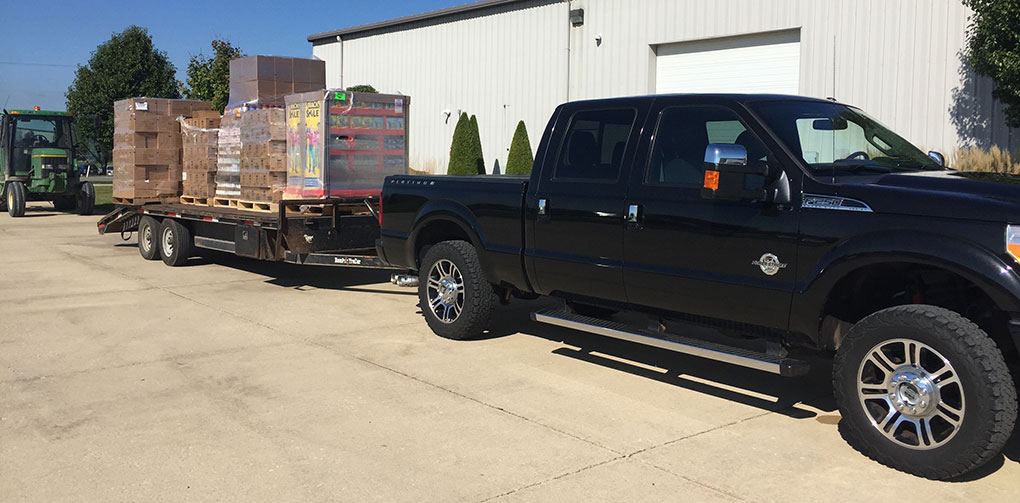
594, 145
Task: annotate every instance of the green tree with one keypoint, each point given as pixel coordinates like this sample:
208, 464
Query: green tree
209, 78
362, 88
520, 158
126, 66
993, 50
476, 146
461, 160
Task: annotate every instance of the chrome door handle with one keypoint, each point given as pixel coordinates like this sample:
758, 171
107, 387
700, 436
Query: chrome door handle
633, 213
542, 203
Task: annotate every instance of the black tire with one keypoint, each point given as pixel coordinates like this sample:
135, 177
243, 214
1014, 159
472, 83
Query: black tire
15, 199
952, 348
174, 242
64, 203
3, 197
148, 238
466, 286
85, 200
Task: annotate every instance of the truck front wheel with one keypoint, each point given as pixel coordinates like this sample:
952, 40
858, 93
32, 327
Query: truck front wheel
457, 301
924, 390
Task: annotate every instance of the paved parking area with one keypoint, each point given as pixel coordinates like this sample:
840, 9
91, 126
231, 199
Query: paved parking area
237, 380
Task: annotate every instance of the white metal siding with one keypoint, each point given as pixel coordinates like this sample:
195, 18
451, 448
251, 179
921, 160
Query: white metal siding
897, 59
723, 65
331, 54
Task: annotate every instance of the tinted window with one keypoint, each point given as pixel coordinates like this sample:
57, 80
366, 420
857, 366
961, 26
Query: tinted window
594, 145
678, 152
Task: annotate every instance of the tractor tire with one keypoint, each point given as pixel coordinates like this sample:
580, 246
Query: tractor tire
85, 201
148, 238
64, 203
175, 243
15, 199
924, 390
455, 298
3, 197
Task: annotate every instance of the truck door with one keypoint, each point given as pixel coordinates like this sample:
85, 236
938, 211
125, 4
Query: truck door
577, 245
685, 254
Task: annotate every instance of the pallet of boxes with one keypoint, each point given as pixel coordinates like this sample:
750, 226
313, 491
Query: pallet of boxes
147, 148
252, 145
200, 135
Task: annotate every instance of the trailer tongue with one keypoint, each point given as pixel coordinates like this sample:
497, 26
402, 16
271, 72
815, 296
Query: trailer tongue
339, 232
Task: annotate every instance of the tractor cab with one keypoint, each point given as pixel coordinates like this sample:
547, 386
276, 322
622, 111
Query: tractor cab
37, 161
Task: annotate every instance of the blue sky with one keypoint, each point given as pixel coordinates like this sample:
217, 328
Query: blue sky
41, 43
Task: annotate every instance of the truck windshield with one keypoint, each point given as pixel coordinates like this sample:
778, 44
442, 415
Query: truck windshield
42, 132
835, 138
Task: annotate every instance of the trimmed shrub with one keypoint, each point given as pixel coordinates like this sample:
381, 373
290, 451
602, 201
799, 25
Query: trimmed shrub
476, 147
362, 88
461, 158
520, 159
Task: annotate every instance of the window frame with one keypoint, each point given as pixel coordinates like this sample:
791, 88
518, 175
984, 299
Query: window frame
566, 137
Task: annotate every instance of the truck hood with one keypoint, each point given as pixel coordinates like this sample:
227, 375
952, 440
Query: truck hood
990, 197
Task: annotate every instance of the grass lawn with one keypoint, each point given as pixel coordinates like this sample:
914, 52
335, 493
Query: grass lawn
104, 198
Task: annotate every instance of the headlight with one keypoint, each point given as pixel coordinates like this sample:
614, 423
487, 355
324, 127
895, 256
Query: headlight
1013, 241
48, 167
62, 167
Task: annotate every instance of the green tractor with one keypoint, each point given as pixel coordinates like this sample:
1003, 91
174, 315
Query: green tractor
37, 163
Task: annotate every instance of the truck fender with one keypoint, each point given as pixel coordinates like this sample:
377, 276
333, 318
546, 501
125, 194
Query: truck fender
449, 211
975, 263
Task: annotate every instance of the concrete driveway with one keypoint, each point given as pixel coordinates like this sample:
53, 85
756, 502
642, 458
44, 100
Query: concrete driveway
237, 380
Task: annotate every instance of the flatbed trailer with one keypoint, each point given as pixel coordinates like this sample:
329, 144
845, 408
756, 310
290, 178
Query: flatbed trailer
338, 232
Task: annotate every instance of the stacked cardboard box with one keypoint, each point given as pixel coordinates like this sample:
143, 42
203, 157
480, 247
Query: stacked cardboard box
147, 146
267, 79
263, 156
200, 134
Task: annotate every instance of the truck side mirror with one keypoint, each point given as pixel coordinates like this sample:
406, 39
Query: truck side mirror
937, 157
726, 170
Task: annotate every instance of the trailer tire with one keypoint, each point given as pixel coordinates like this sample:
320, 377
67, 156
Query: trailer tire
148, 238
174, 242
924, 390
85, 200
15, 199
455, 298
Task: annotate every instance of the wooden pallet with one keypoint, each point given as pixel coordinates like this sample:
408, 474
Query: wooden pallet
137, 201
260, 206
197, 201
224, 202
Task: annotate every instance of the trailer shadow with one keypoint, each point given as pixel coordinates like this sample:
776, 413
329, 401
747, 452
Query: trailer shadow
299, 277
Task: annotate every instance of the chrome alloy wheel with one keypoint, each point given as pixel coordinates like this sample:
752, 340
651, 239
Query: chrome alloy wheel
911, 393
445, 291
168, 241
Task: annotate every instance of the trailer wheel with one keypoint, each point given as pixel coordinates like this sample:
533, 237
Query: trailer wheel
456, 300
15, 199
85, 200
924, 390
148, 238
174, 242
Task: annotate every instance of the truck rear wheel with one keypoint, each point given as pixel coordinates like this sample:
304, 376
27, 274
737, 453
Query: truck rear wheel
174, 242
148, 236
86, 199
15, 199
924, 390
457, 301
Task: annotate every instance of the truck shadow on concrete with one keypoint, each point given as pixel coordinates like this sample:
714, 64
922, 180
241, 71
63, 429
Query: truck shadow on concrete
791, 397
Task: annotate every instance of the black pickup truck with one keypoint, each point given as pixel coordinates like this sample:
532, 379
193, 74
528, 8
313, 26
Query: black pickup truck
786, 222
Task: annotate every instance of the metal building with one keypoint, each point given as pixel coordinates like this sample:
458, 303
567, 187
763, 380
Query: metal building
511, 60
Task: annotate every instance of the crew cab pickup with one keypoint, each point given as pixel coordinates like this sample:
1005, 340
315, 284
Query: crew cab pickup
787, 222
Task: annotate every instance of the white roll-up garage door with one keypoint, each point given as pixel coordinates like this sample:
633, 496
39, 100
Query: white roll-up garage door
758, 63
